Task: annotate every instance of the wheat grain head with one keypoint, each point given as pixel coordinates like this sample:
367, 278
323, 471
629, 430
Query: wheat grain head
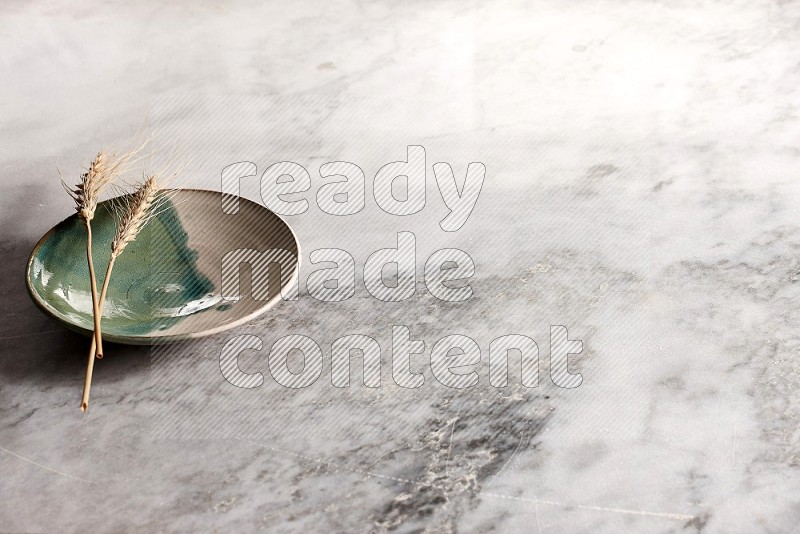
102, 171
136, 210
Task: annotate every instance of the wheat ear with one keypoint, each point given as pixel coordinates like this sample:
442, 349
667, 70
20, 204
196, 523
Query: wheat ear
139, 209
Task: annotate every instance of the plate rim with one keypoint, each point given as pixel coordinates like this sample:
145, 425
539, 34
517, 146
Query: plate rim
162, 339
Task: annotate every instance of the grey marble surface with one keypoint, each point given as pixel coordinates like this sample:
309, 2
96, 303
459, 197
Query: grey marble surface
641, 189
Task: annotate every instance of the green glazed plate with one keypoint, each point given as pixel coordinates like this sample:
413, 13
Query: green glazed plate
167, 284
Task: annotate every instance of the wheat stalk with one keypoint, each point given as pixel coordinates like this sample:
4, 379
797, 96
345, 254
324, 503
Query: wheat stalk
102, 171
136, 211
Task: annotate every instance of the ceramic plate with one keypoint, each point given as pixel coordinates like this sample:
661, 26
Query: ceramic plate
166, 285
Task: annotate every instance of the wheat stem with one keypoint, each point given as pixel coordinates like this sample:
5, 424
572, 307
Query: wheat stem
101, 304
87, 383
96, 340
93, 353
96, 309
